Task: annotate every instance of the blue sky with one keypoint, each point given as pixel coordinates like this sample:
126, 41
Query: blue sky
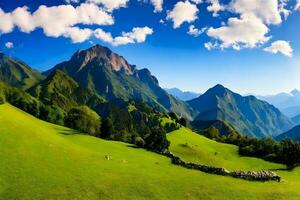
253, 49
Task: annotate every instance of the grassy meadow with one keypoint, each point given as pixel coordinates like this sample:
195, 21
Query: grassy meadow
39, 160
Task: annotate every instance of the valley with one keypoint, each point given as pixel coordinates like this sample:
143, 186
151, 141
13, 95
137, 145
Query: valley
45, 161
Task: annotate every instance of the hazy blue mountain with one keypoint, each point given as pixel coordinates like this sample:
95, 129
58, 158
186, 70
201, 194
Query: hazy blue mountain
296, 119
288, 103
17, 73
293, 134
247, 115
111, 76
182, 95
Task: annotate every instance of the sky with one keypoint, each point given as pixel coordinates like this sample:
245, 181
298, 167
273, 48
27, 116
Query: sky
249, 46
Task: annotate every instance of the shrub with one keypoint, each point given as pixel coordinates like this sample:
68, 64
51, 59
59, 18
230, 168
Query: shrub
83, 119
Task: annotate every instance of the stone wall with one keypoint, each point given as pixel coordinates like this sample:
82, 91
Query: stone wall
247, 175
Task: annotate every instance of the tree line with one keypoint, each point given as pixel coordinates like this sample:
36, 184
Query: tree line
285, 152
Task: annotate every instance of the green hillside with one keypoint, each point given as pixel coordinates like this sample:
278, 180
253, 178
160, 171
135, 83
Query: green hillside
199, 149
44, 161
17, 73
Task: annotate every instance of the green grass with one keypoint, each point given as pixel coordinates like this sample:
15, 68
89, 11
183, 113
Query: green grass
39, 160
199, 149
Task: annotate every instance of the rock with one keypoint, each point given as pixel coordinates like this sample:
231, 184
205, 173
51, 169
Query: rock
107, 157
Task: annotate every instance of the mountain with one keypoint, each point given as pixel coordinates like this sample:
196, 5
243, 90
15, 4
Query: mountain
247, 115
111, 76
61, 90
293, 134
182, 95
296, 119
288, 103
17, 73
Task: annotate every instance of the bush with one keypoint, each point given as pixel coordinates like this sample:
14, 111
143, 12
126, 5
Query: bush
157, 140
83, 119
138, 141
107, 129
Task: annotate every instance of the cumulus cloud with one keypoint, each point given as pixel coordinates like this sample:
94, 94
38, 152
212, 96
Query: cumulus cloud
280, 46
110, 5
78, 35
297, 7
250, 29
266, 10
282, 8
197, 1
215, 7
195, 31
9, 45
56, 21
183, 12
158, 5
137, 35
6, 22
72, 1
209, 45
245, 32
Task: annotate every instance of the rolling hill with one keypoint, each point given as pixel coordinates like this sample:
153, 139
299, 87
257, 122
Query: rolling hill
248, 115
17, 73
46, 161
111, 76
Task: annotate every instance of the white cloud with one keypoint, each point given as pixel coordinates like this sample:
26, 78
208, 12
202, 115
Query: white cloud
183, 12
110, 5
266, 10
245, 32
158, 5
197, 1
137, 35
9, 45
72, 1
297, 7
78, 35
215, 7
280, 46
209, 45
195, 31
56, 21
282, 8
6, 22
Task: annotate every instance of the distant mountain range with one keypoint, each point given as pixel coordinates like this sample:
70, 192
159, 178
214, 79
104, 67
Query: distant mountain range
247, 115
293, 134
182, 95
288, 103
101, 79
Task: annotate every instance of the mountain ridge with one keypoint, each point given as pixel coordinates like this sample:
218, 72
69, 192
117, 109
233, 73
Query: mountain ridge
248, 115
112, 77
17, 73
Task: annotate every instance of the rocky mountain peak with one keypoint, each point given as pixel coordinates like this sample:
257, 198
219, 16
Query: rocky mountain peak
103, 54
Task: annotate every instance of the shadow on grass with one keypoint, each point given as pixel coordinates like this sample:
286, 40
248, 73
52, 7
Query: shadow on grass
68, 131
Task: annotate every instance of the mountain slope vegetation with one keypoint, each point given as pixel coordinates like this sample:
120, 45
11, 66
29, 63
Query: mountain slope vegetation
17, 73
80, 168
248, 115
111, 76
61, 90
